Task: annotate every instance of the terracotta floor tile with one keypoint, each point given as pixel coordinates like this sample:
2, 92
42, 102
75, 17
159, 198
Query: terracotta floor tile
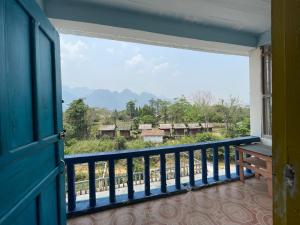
227, 204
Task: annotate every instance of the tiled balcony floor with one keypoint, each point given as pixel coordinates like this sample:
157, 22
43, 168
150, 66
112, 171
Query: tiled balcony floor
231, 204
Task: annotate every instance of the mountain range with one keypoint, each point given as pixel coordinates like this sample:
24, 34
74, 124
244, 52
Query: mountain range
103, 98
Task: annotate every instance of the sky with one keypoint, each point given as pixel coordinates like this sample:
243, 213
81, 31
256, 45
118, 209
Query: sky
165, 72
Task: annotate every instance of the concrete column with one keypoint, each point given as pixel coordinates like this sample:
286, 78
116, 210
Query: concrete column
256, 109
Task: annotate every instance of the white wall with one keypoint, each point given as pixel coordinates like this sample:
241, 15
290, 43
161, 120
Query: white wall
155, 139
256, 96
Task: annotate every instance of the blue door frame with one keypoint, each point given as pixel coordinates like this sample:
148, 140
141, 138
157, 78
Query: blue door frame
31, 151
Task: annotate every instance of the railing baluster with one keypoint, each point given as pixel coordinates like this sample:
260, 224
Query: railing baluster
163, 185
216, 163
71, 187
227, 161
177, 170
92, 184
147, 175
204, 165
130, 179
112, 191
191, 168
118, 182
237, 168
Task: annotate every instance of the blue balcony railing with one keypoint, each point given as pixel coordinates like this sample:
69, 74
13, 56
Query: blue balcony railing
94, 204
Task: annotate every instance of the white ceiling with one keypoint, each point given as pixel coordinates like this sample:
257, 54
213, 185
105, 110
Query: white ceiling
246, 15
226, 26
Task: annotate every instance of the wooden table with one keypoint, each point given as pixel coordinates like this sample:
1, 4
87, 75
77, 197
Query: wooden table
257, 158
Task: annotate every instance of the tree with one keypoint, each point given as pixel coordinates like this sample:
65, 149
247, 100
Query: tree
115, 116
131, 109
164, 109
233, 113
148, 119
178, 109
77, 116
159, 108
147, 110
203, 101
192, 114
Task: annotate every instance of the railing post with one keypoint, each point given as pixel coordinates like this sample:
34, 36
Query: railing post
191, 168
112, 191
92, 184
147, 175
216, 163
227, 161
130, 179
71, 187
204, 165
177, 170
237, 168
163, 185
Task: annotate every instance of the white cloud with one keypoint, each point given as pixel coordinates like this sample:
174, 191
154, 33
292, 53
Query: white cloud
73, 50
154, 66
110, 50
135, 60
136, 49
160, 66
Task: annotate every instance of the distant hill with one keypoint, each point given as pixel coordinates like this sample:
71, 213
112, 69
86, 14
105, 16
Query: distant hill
103, 98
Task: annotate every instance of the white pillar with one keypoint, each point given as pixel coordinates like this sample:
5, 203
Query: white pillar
256, 109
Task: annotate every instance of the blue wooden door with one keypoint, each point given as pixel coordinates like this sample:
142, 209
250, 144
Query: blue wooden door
31, 152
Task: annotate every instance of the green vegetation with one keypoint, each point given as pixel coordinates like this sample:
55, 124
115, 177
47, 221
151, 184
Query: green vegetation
82, 122
106, 144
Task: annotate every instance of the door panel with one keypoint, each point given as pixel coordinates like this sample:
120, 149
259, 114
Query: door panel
19, 67
286, 110
31, 153
28, 216
49, 205
46, 88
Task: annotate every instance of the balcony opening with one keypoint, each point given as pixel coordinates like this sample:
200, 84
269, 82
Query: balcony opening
144, 122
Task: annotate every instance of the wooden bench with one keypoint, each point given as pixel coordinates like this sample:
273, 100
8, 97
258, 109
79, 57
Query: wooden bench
257, 158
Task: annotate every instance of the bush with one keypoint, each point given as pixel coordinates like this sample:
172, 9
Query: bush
70, 141
202, 137
243, 127
90, 146
105, 137
139, 143
120, 143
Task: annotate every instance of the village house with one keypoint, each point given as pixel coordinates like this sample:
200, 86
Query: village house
153, 135
167, 128
124, 130
193, 128
145, 127
179, 129
207, 127
107, 130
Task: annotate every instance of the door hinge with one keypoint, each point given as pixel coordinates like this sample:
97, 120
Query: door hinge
62, 166
289, 175
62, 135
